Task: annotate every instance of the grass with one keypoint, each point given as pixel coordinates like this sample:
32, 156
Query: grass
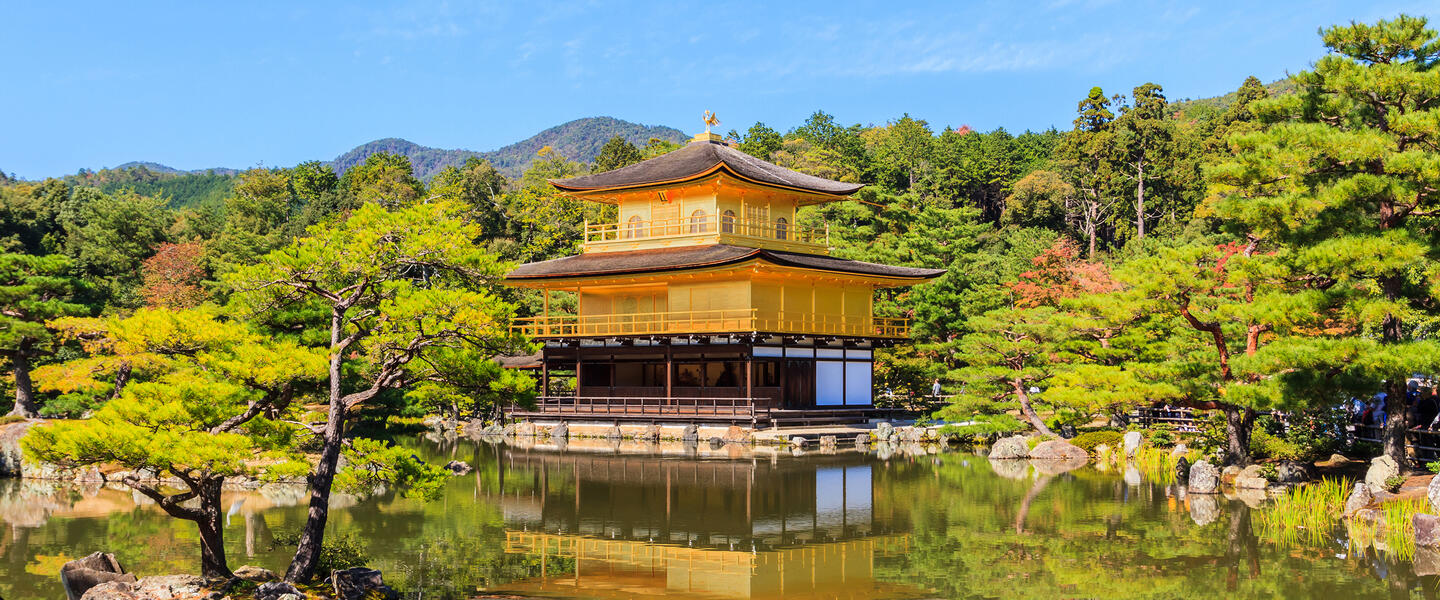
1399, 528
8, 419
1157, 464
1306, 513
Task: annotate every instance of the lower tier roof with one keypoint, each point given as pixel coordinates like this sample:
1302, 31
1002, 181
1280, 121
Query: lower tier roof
698, 257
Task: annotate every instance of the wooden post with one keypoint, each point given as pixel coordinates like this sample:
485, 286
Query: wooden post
750, 377
669, 374
544, 373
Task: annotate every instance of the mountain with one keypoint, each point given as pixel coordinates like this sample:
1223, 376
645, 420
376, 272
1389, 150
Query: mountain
1200, 108
169, 170
579, 140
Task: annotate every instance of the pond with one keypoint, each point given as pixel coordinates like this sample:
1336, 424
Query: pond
596, 520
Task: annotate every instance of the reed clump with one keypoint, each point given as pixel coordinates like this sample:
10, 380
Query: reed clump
1306, 513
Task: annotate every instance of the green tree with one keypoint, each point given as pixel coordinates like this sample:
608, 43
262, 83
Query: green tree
1344, 184
1087, 159
1146, 138
480, 185
614, 154
385, 178
33, 290
399, 286
110, 235
902, 149
210, 406
761, 141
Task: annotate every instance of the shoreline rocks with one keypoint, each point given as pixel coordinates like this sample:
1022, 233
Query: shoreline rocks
1010, 448
1204, 478
1058, 450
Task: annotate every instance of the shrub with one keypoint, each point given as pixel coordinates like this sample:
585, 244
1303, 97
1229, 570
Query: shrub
1433, 466
1162, 435
1089, 440
8, 419
1393, 483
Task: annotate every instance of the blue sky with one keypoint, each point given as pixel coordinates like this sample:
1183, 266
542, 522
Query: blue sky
198, 84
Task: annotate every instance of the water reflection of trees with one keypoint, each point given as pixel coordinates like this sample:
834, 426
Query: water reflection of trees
1087, 534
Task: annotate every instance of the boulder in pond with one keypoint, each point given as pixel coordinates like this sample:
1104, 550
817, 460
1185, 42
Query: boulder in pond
1229, 473
736, 435
613, 433
716, 443
1204, 478
862, 439
1132, 441
525, 429
650, 434
883, 431
11, 458
827, 442
276, 590
1251, 479
1010, 448
1359, 498
1058, 450
1427, 530
1433, 493
1381, 469
360, 582
561, 432
691, 433
459, 467
1426, 561
80, 575
797, 442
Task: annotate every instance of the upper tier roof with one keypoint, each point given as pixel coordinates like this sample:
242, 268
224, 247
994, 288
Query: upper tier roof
698, 159
697, 257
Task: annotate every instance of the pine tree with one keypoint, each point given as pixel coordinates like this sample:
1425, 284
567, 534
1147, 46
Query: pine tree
1346, 183
33, 290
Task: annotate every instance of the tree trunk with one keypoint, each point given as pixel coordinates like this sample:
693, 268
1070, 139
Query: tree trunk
1397, 422
1239, 422
24, 391
1027, 410
1140, 202
212, 531
312, 537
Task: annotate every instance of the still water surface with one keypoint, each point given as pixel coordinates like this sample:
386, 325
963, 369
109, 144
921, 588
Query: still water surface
605, 522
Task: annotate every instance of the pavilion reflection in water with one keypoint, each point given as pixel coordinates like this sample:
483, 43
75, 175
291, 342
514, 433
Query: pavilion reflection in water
649, 525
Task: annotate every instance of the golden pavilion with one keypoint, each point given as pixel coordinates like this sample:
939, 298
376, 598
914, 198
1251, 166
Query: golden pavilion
707, 301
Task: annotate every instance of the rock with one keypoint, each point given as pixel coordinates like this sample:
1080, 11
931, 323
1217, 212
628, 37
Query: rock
525, 429
276, 590
736, 435
650, 434
883, 431
360, 582
1292, 472
797, 442
255, 574
1427, 530
1251, 479
1058, 450
1204, 479
1132, 441
112, 590
1067, 431
459, 467
1179, 450
1337, 459
1182, 469
562, 432
691, 434
613, 433
716, 443
81, 574
1382, 468
1427, 561
1433, 492
1102, 450
1204, 508
1359, 499
11, 457
1229, 473
433, 422
862, 440
827, 442
171, 586
912, 434
1010, 448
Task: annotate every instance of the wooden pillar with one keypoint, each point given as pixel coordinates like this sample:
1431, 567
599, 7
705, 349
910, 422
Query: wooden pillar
669, 373
750, 374
544, 372
579, 362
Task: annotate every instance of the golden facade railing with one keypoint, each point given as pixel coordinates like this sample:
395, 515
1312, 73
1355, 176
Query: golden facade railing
712, 321
709, 224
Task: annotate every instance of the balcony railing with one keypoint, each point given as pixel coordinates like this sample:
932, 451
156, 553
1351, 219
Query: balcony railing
711, 321
637, 229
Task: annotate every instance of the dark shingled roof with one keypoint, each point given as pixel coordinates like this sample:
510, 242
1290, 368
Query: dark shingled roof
699, 158
695, 257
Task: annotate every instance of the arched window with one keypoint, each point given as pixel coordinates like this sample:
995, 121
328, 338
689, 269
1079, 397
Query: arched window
782, 228
727, 222
697, 222
635, 228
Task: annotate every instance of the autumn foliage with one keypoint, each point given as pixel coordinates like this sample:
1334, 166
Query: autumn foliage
172, 276
1058, 274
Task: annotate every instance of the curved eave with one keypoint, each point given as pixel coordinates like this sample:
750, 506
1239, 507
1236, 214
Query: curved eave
744, 261
820, 196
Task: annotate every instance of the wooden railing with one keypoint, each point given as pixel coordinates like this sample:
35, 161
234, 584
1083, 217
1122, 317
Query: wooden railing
754, 409
705, 225
711, 321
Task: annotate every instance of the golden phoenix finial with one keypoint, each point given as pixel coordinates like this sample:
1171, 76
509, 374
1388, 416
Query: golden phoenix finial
710, 120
